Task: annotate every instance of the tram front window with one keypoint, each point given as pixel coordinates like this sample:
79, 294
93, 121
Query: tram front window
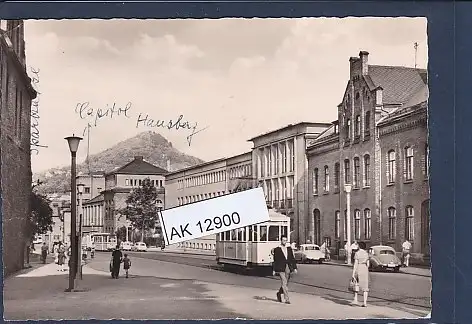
263, 231
274, 233
285, 231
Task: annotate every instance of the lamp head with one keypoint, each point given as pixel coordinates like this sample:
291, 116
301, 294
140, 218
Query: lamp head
73, 143
80, 188
347, 188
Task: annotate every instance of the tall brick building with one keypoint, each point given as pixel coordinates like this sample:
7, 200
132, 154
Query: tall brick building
378, 144
16, 93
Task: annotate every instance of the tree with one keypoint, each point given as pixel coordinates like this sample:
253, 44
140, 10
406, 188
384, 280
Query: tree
121, 234
40, 220
141, 207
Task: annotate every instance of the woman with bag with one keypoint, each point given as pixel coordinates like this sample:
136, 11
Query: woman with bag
360, 274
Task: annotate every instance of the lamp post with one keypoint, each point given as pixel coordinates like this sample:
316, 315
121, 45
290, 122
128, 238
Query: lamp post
348, 188
80, 190
160, 207
73, 142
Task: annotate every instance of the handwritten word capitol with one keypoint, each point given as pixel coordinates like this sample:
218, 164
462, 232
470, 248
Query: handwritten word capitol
34, 142
144, 120
85, 111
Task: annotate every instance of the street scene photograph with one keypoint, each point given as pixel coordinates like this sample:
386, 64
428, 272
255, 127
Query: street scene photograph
260, 169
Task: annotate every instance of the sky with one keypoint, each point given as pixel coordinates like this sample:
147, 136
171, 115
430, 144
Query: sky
230, 79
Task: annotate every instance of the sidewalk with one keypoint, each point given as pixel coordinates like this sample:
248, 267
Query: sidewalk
416, 271
174, 249
39, 294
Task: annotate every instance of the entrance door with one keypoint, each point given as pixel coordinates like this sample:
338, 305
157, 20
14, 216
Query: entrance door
425, 233
317, 226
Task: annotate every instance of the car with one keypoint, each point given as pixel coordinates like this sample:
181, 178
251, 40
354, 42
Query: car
383, 257
139, 247
308, 253
126, 246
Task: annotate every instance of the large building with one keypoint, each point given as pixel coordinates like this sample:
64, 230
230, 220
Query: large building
378, 146
99, 213
94, 184
16, 94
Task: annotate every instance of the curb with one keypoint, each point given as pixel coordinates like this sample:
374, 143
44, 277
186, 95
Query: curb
350, 266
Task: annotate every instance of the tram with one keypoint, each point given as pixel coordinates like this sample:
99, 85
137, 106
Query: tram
251, 246
103, 241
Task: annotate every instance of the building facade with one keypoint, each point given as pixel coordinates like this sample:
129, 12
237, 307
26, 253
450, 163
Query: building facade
94, 184
16, 94
378, 145
59, 203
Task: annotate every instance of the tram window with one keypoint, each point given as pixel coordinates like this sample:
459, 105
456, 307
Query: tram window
244, 233
263, 233
250, 234
274, 233
284, 231
233, 235
240, 234
227, 236
256, 235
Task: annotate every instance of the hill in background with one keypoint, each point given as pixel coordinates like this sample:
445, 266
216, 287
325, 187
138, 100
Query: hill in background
152, 146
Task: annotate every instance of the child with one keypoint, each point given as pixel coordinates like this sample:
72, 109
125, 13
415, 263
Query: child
126, 264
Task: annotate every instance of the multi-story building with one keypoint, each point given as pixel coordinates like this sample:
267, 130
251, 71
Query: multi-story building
100, 213
207, 180
59, 203
378, 146
94, 184
281, 165
16, 94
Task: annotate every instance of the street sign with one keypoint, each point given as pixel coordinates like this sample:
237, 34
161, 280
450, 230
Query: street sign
214, 215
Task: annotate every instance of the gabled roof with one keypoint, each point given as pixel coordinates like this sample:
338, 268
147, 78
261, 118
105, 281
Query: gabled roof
401, 112
399, 83
95, 199
139, 166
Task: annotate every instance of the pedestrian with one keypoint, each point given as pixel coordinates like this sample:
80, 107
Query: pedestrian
284, 265
406, 246
56, 254
126, 264
44, 252
346, 251
360, 273
61, 256
325, 250
354, 249
117, 258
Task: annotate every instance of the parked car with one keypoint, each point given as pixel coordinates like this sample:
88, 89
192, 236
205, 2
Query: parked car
383, 258
139, 247
126, 246
308, 253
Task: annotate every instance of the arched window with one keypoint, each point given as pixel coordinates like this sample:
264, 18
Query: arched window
315, 181
409, 223
392, 223
348, 128
317, 227
391, 167
367, 123
357, 130
357, 224
367, 224
367, 170
408, 165
337, 224
336, 176
357, 171
326, 178
347, 171
345, 224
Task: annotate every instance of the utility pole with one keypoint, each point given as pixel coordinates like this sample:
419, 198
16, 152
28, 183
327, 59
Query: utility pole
416, 51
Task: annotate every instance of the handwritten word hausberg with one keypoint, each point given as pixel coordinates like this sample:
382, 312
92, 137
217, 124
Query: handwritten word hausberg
34, 141
170, 124
86, 111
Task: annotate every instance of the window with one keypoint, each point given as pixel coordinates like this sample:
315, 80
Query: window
292, 153
315, 181
274, 233
366, 170
127, 182
367, 123
269, 151
140, 182
277, 159
409, 223
284, 157
345, 224
357, 170
263, 233
336, 176
347, 171
326, 178
391, 167
408, 167
358, 126
367, 224
348, 128
87, 190
392, 222
357, 224
337, 223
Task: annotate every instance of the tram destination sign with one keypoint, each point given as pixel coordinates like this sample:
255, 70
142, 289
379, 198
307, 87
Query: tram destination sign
214, 216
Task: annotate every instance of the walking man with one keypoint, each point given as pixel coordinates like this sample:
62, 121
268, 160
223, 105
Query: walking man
406, 246
117, 258
284, 265
44, 252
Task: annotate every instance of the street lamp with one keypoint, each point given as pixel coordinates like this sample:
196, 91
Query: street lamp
160, 207
348, 188
80, 191
73, 142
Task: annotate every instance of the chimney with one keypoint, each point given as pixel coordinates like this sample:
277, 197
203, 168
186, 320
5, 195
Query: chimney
354, 67
168, 165
364, 56
139, 158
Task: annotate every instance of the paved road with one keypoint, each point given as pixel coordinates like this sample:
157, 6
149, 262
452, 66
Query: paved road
395, 290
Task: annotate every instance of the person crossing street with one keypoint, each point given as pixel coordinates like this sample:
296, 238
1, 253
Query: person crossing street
284, 265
